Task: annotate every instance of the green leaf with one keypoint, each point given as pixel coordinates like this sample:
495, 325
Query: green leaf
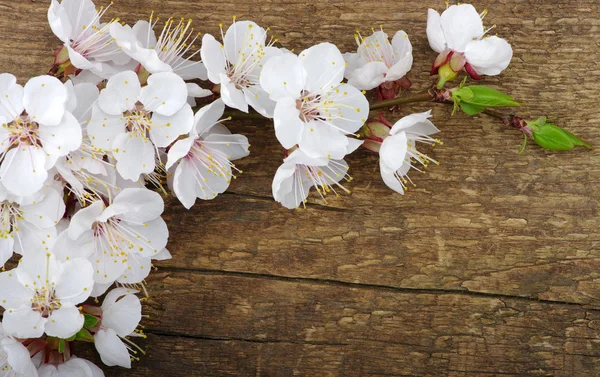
84, 336
61, 345
462, 94
90, 321
577, 141
552, 138
488, 97
471, 109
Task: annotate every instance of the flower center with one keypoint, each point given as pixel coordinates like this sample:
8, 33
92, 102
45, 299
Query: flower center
9, 214
175, 42
138, 121
93, 40
22, 130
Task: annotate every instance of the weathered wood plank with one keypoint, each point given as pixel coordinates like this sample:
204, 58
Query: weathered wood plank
281, 328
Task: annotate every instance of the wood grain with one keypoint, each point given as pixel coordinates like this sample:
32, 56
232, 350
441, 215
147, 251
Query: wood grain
489, 267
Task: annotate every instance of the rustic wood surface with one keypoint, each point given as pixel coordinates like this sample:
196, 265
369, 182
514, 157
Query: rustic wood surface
490, 267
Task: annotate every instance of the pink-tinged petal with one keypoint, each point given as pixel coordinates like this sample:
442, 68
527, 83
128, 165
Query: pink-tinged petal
440, 60
324, 65
283, 76
471, 71
22, 171
111, 349
489, 56
45, 99
288, 125
457, 62
64, 322
121, 93
461, 24
435, 35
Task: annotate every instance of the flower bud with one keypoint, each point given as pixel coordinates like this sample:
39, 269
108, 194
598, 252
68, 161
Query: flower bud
445, 73
552, 137
375, 131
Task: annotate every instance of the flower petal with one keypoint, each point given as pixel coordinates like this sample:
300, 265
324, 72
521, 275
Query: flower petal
13, 293
179, 150
121, 311
489, 56
127, 39
46, 212
63, 138
243, 40
324, 65
288, 125
22, 171
65, 322
283, 187
260, 101
84, 218
23, 322
166, 129
417, 123
461, 24
138, 268
283, 76
18, 357
166, 93
76, 281
369, 76
435, 35
213, 56
134, 154
121, 93
11, 97
103, 128
393, 151
111, 349
233, 146
45, 98
232, 96
345, 107
320, 139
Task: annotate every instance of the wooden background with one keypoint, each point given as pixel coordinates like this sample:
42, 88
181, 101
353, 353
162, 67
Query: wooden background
490, 267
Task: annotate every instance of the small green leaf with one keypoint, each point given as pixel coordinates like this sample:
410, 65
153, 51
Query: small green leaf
84, 336
70, 339
488, 97
577, 141
61, 345
462, 94
524, 143
90, 321
552, 138
470, 108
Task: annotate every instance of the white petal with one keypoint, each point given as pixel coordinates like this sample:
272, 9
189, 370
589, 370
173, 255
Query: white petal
345, 107
31, 239
144, 34
104, 128
213, 56
38, 269
87, 95
194, 90
126, 38
232, 96
137, 205
369, 76
322, 140
59, 21
134, 155
100, 289
18, 357
84, 218
24, 322
416, 124
106, 269
184, 184
76, 281
390, 179
62, 139
46, 212
489, 56
150, 238
22, 171
393, 151
166, 93
461, 24
137, 269
241, 40
121, 93
353, 62
179, 150
6, 249
45, 99
121, 313
283, 76
189, 69
233, 146
435, 35
111, 349
166, 129
403, 58
11, 97
299, 157
288, 125
208, 116
164, 254
13, 293
353, 145
283, 185
64, 322
260, 101
324, 65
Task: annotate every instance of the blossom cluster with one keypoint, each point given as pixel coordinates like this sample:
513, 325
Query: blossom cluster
86, 149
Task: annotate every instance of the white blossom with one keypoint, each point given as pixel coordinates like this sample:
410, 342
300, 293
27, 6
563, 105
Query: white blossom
73, 367
15, 360
460, 39
314, 110
398, 152
40, 296
378, 61
237, 64
203, 159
